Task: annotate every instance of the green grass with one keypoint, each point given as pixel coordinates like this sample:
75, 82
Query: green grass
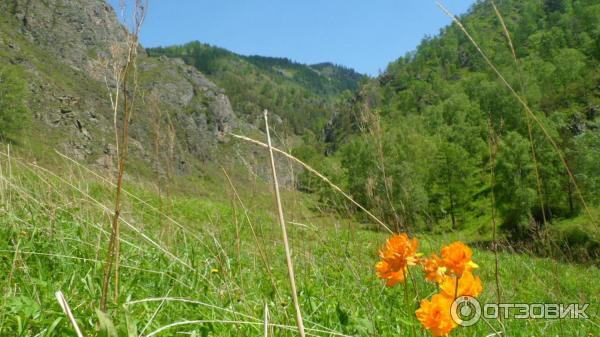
54, 233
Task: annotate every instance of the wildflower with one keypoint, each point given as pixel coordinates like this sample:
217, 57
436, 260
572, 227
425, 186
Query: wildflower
468, 285
435, 315
397, 254
214, 270
457, 258
434, 268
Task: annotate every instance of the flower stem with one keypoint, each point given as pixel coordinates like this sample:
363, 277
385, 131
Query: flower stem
405, 289
406, 302
456, 288
414, 284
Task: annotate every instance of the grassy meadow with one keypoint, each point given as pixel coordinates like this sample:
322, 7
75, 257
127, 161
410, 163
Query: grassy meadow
209, 265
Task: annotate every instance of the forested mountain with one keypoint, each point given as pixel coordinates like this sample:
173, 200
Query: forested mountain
437, 136
303, 96
427, 144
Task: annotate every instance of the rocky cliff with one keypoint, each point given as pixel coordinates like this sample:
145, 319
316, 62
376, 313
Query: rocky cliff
64, 45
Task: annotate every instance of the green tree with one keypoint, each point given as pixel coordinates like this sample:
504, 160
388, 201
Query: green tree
452, 171
569, 78
359, 164
588, 157
515, 184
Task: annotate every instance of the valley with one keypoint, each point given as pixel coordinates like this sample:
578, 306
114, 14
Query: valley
138, 181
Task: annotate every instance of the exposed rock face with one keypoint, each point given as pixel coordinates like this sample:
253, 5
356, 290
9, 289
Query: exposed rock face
77, 31
63, 44
203, 112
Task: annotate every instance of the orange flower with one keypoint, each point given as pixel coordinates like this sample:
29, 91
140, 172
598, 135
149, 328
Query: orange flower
397, 254
435, 315
457, 258
434, 268
468, 285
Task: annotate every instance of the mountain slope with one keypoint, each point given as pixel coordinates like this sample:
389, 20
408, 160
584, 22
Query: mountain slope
417, 147
301, 95
64, 50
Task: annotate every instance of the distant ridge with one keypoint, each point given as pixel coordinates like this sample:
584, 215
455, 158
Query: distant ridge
302, 95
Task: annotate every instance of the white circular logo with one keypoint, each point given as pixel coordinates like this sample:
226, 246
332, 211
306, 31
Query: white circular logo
465, 311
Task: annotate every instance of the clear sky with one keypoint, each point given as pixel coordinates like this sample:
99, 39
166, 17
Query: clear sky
363, 34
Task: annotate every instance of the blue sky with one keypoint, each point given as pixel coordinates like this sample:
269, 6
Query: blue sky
363, 34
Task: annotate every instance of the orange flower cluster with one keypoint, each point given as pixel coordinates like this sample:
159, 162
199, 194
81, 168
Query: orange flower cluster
434, 268
457, 258
452, 272
435, 315
397, 254
468, 285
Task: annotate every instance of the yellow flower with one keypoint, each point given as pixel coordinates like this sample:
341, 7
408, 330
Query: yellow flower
214, 270
468, 285
397, 254
434, 268
435, 315
456, 257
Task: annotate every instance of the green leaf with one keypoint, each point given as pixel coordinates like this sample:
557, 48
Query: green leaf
342, 315
131, 326
107, 328
52, 327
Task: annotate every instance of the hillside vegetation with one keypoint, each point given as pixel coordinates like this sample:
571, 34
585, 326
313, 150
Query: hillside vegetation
437, 137
302, 96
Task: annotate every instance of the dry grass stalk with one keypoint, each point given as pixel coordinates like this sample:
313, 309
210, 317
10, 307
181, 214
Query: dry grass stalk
122, 70
286, 244
527, 119
28, 195
95, 261
371, 121
238, 242
261, 251
162, 303
529, 130
67, 310
3, 188
135, 197
493, 150
266, 321
8, 287
9, 163
157, 127
189, 301
528, 110
128, 224
225, 321
315, 172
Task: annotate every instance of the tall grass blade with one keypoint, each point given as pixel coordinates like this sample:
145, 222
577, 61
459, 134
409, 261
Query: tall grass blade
67, 310
286, 245
322, 177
